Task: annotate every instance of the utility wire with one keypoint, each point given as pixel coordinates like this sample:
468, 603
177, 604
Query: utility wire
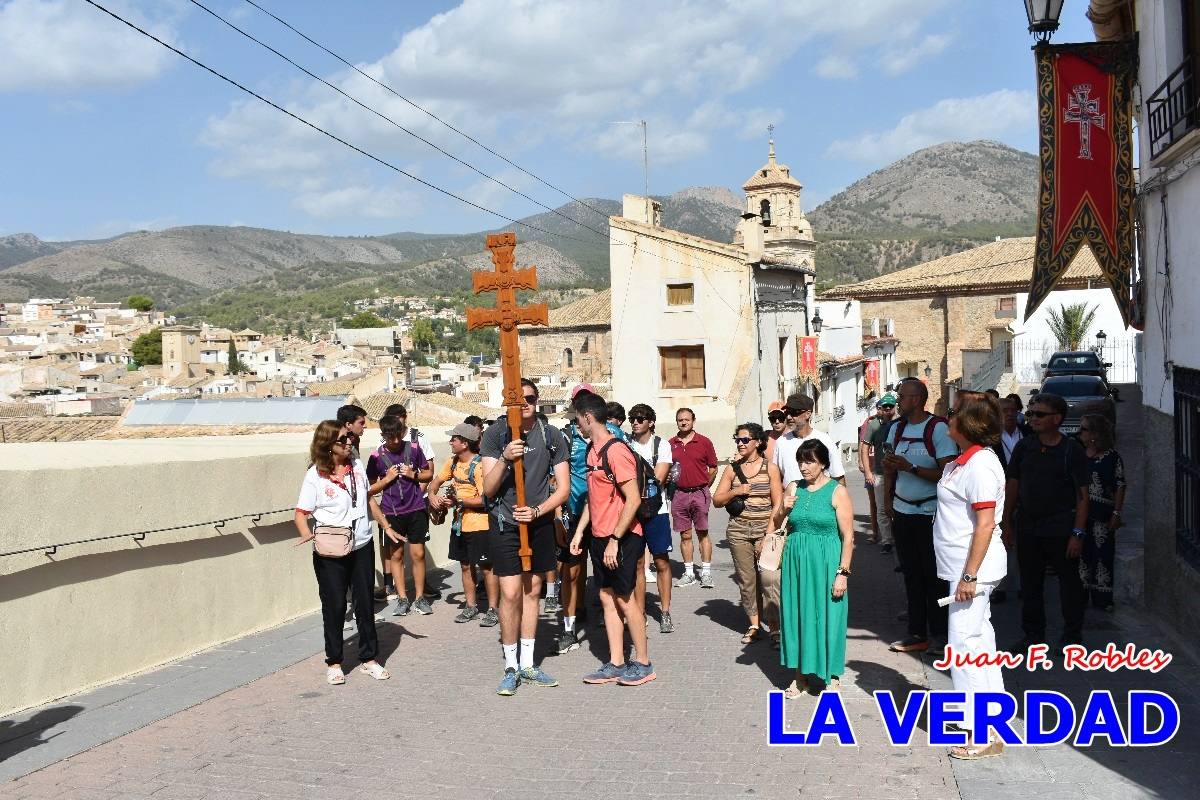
425, 111
391, 121
324, 132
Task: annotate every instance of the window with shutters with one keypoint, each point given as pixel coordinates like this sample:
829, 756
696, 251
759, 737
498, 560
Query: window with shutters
681, 294
682, 367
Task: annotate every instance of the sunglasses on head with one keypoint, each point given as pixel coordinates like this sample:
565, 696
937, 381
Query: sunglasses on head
743, 439
637, 418
776, 416
1039, 414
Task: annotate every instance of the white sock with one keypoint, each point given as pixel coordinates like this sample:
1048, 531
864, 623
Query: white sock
568, 623
705, 567
551, 590
510, 655
527, 653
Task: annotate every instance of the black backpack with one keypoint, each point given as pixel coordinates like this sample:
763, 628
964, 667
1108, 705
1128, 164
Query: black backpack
648, 488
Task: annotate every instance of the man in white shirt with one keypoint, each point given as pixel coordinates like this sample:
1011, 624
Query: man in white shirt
1013, 431
799, 409
657, 532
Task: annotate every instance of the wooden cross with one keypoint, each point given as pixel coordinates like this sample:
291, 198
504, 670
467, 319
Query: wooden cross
507, 315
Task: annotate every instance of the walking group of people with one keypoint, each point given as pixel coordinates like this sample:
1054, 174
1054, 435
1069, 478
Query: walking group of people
597, 493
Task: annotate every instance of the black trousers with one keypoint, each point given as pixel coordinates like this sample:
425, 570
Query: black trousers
1034, 554
922, 587
334, 575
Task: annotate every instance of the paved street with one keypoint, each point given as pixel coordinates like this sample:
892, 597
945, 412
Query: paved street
255, 719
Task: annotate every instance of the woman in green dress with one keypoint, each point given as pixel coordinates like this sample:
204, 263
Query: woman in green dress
816, 566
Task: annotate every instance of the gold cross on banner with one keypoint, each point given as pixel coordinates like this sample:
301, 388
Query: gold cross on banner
506, 316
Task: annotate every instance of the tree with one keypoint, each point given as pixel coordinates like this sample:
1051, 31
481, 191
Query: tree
140, 302
423, 334
365, 319
1070, 324
147, 348
235, 364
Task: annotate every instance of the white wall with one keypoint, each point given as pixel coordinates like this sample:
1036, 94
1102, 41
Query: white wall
1108, 316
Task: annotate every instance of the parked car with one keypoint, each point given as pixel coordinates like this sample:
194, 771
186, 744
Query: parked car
1085, 394
1075, 362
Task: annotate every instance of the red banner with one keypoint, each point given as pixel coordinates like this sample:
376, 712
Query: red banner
872, 374
806, 357
1087, 191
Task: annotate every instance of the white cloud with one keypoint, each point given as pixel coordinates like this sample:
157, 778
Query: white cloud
900, 59
66, 45
521, 74
988, 116
837, 67
357, 201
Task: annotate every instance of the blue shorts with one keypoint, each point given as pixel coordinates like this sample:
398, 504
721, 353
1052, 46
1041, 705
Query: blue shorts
657, 533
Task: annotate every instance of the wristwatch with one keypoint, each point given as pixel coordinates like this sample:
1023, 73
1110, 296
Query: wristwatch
969, 578
842, 571
912, 468
1078, 531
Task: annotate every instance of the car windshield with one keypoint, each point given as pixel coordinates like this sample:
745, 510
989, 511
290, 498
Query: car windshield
1075, 361
1073, 388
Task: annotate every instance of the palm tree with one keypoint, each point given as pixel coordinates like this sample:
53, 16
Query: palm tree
1070, 324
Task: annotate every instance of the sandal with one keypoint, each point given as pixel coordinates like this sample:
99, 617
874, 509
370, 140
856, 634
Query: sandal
376, 671
750, 635
797, 688
975, 752
334, 676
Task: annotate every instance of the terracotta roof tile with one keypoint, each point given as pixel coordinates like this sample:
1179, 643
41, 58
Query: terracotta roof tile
593, 310
1003, 265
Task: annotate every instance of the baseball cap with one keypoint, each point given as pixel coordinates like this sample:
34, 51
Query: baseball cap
582, 387
776, 405
796, 400
464, 430
888, 399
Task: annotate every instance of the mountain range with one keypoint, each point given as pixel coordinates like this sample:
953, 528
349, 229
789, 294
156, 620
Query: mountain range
939, 200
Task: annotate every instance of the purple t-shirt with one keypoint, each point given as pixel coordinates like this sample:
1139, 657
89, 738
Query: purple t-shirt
403, 495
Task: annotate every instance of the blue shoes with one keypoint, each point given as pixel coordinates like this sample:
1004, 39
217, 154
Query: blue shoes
608, 673
509, 683
535, 676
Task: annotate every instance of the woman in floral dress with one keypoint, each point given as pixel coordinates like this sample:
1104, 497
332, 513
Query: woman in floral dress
1106, 494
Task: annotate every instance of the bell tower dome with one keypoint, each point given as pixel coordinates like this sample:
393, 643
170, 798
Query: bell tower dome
773, 195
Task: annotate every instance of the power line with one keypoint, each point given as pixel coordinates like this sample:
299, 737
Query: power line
324, 132
424, 110
391, 121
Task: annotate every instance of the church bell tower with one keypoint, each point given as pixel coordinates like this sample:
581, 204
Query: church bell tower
773, 195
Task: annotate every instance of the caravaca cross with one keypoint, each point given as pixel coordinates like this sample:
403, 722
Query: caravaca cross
507, 315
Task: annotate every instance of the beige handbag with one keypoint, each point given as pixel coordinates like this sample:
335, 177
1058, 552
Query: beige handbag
772, 551
332, 542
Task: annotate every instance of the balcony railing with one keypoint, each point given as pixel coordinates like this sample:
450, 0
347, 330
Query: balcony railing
1172, 109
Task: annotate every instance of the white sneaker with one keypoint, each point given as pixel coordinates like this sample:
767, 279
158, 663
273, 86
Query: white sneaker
688, 579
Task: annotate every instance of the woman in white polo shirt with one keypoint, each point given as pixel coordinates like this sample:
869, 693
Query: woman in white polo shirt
335, 493
969, 553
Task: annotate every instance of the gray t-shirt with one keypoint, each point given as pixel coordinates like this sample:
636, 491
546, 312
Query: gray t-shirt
539, 462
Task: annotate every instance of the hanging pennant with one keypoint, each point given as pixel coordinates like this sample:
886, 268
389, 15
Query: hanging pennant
1087, 187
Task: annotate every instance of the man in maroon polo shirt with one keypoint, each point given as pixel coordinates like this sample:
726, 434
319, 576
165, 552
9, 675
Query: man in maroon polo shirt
697, 460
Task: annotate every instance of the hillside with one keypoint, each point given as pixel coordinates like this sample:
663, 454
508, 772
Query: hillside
937, 201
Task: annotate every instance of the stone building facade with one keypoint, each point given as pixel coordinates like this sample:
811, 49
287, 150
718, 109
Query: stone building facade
575, 347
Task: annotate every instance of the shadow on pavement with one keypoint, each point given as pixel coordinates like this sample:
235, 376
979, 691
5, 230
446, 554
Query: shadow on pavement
17, 737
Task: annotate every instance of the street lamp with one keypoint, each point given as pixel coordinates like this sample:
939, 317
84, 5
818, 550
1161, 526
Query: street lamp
928, 371
1101, 338
817, 322
1043, 17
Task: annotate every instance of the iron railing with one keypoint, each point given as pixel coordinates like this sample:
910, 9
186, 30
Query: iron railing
138, 536
1172, 110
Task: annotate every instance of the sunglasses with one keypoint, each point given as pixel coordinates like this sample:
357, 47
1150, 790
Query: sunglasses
640, 419
1039, 414
776, 416
887, 406
743, 439
342, 440
530, 399
793, 412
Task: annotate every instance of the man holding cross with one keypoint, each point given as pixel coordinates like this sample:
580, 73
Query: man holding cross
542, 452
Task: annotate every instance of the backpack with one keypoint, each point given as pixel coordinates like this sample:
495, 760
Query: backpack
646, 482
927, 437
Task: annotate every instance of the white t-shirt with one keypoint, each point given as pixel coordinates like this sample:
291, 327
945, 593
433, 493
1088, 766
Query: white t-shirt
1009, 441
787, 445
973, 481
332, 503
646, 451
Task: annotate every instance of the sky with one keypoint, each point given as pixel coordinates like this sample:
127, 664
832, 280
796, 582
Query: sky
110, 132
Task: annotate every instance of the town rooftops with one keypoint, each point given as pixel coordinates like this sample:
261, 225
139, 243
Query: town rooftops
595, 310
1006, 265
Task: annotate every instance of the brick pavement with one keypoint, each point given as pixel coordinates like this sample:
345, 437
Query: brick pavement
438, 730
